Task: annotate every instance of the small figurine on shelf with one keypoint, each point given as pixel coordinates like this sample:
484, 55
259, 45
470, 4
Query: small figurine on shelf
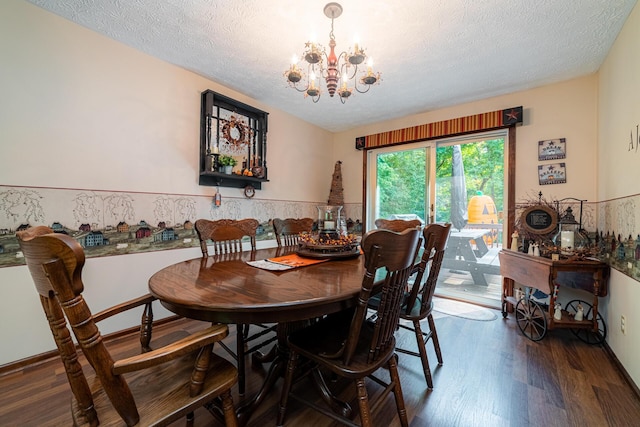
557, 314
518, 294
514, 241
530, 252
536, 249
579, 313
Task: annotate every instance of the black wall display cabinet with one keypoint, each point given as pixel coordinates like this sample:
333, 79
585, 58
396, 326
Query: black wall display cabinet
232, 133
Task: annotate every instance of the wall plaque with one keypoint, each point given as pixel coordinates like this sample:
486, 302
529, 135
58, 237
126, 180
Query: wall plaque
539, 219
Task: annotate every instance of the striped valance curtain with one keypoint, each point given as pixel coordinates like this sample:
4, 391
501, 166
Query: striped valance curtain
461, 125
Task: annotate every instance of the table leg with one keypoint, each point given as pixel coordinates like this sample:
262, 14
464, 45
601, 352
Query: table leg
336, 405
280, 355
276, 370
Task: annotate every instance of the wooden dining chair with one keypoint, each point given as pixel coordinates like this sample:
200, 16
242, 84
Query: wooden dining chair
155, 387
418, 303
226, 235
350, 346
288, 230
397, 224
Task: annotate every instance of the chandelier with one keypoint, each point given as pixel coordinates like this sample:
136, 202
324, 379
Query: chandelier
339, 72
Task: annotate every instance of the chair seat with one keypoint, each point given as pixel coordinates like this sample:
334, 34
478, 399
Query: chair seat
163, 387
326, 337
413, 313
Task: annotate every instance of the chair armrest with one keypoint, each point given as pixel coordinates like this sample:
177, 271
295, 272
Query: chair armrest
128, 305
172, 351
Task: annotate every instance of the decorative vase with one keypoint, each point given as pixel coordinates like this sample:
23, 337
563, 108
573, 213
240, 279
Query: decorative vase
329, 221
228, 170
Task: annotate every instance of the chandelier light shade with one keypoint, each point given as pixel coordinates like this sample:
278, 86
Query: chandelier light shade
343, 73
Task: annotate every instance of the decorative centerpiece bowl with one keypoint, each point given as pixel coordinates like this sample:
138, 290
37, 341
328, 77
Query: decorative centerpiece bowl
328, 245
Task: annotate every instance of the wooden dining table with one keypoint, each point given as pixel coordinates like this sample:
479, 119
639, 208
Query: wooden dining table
225, 289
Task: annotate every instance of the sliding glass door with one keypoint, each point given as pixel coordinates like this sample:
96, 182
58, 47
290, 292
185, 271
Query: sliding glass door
398, 183
459, 181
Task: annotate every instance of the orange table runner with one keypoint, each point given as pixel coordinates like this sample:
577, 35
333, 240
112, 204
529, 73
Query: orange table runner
285, 262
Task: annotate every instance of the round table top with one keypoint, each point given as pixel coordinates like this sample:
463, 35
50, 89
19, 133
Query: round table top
226, 289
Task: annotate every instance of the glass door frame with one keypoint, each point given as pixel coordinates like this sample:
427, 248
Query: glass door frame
371, 178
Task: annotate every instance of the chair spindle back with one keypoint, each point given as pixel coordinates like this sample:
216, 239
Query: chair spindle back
226, 234
395, 253
288, 230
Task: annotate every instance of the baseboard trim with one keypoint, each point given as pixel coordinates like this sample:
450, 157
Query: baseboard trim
622, 370
45, 357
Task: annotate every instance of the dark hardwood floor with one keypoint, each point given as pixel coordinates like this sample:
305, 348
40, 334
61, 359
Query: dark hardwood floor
491, 376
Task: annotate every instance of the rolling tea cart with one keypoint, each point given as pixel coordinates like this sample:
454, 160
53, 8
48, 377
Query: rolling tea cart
533, 317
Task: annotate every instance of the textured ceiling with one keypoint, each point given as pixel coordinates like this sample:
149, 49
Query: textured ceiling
431, 53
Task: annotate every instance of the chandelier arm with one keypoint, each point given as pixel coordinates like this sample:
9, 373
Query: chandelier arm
350, 76
358, 89
299, 89
363, 91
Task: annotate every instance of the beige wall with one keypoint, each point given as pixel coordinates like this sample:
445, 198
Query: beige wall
563, 110
89, 112
619, 176
82, 111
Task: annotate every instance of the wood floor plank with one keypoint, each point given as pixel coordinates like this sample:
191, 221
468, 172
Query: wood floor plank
619, 407
518, 404
491, 376
541, 413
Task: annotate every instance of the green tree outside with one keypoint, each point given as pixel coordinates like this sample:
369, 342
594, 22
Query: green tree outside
401, 181
484, 172
402, 178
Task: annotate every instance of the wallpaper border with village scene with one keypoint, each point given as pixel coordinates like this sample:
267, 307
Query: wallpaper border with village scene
108, 223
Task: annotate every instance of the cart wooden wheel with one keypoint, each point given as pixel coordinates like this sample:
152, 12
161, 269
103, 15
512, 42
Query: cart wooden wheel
531, 319
587, 335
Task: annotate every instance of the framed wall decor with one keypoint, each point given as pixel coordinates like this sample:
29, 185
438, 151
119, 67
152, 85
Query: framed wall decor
554, 173
552, 149
539, 219
232, 133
